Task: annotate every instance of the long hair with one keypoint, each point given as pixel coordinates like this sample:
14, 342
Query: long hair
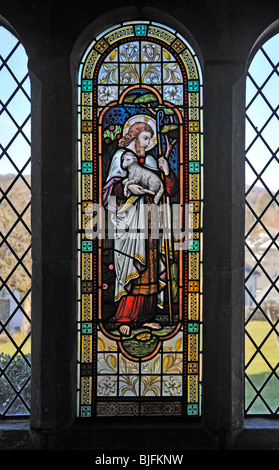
133, 133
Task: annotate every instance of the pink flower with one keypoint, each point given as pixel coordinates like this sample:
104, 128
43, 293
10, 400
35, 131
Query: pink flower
105, 286
111, 128
111, 267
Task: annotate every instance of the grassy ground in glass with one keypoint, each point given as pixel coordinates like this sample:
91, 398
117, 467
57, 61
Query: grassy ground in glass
260, 370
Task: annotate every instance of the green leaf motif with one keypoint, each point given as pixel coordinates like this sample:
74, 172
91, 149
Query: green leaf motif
169, 128
147, 98
130, 98
167, 111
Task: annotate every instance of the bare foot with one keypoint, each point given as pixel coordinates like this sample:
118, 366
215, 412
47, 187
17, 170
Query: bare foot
125, 330
153, 326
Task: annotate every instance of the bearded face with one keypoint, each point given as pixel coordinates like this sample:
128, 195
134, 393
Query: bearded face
140, 151
142, 141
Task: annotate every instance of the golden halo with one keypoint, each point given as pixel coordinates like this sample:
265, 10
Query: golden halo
147, 120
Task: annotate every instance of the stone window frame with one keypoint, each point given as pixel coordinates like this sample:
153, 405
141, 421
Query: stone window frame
54, 386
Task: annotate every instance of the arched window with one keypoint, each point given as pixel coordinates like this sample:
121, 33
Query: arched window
262, 225
15, 227
140, 224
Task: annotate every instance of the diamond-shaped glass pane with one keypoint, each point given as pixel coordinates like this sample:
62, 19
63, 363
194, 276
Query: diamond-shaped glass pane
15, 228
262, 228
271, 87
271, 132
258, 155
259, 112
260, 68
19, 106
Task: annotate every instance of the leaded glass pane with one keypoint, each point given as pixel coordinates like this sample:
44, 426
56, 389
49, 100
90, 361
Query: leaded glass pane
262, 224
15, 228
140, 224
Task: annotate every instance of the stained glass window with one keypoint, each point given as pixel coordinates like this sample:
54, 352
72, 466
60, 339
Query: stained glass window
262, 224
140, 197
15, 227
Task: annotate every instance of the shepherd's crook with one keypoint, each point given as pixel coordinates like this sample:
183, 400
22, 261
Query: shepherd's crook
160, 116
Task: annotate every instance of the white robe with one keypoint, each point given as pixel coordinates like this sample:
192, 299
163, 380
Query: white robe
131, 231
